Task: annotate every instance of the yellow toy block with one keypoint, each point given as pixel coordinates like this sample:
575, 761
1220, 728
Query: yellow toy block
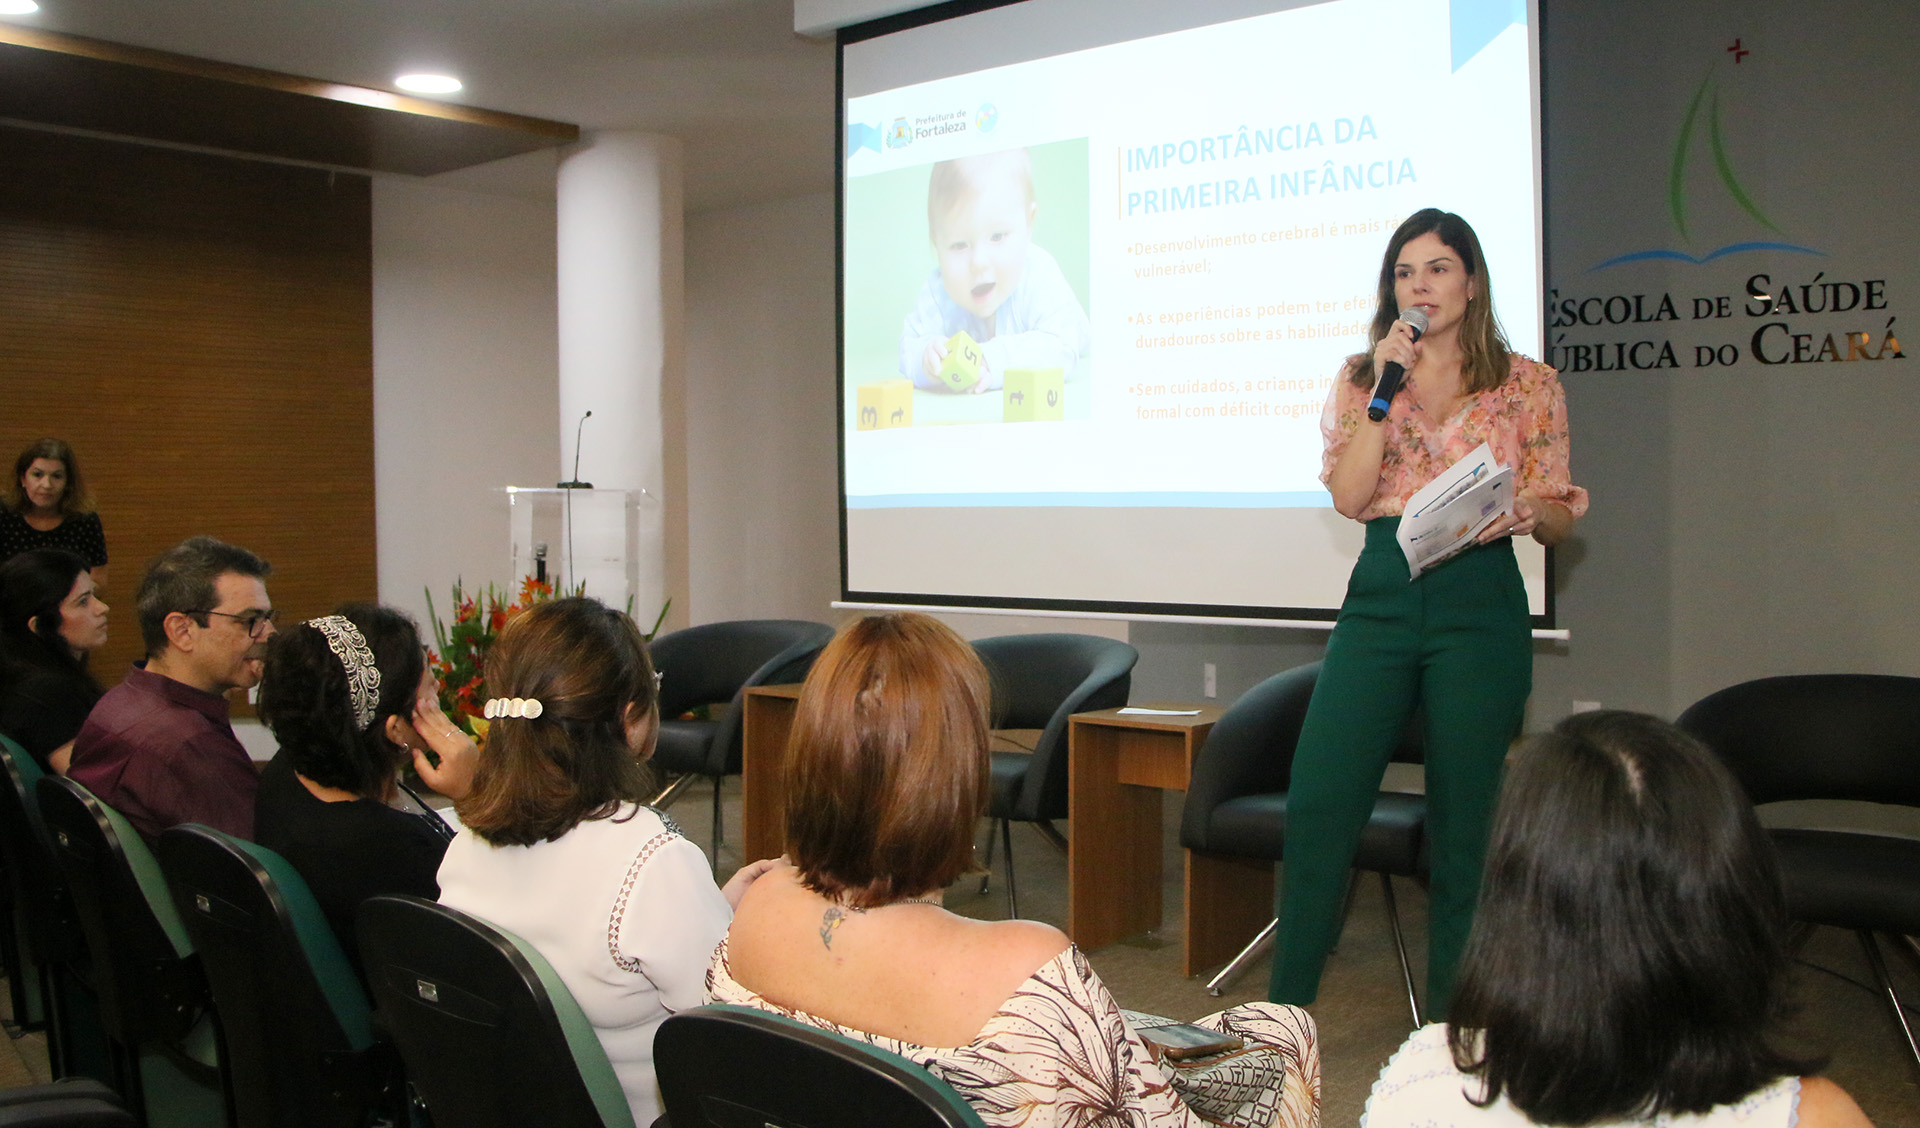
888, 403
1035, 394
961, 369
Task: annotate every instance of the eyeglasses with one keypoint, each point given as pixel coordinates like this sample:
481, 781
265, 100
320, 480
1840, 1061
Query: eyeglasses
250, 621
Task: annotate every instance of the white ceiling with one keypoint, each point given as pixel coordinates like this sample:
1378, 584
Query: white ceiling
752, 101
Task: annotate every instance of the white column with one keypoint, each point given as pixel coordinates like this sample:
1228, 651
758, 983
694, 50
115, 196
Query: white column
621, 315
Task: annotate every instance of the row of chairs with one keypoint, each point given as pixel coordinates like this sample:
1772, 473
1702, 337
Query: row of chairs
1832, 763
226, 998
1039, 680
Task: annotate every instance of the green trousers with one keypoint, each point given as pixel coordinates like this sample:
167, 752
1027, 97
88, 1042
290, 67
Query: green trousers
1457, 642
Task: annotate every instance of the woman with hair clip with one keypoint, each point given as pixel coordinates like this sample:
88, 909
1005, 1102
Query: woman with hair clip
558, 846
51, 618
887, 777
48, 506
340, 693
1625, 967
1453, 642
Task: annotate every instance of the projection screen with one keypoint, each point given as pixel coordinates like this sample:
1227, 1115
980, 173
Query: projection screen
1159, 228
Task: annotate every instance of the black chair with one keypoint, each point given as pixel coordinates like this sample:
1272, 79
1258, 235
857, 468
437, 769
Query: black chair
1832, 765
72, 1103
1039, 680
800, 1076
298, 1029
16, 946
1237, 801
52, 945
154, 1003
714, 663
490, 1036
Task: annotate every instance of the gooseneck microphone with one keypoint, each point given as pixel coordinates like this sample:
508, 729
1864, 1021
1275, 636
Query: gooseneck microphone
1392, 374
576, 484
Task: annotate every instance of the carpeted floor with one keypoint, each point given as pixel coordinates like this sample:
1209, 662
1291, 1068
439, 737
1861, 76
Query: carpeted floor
1362, 1013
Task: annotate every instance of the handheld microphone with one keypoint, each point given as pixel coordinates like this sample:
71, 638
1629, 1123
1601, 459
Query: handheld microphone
1392, 374
576, 483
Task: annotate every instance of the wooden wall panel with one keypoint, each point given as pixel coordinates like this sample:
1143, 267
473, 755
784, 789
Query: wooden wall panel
200, 328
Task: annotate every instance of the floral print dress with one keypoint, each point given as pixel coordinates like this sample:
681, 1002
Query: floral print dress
1057, 1053
1524, 421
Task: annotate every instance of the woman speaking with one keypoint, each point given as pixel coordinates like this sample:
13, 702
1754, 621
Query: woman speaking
1454, 642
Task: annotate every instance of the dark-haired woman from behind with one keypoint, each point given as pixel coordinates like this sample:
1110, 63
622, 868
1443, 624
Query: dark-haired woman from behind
1625, 963
887, 777
340, 693
51, 618
558, 846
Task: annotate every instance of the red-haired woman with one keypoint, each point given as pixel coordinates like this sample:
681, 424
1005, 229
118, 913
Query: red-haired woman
887, 777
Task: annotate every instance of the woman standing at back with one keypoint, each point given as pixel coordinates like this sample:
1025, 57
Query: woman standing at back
1625, 965
48, 506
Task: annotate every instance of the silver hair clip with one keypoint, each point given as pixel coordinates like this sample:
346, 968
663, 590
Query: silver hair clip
363, 677
498, 707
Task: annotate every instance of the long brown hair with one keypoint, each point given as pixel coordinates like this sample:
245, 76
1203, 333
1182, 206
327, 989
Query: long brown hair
540, 777
1483, 348
887, 768
75, 502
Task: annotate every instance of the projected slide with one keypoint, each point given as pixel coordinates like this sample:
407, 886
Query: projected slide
1125, 277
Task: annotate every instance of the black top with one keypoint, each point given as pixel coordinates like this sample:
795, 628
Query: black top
43, 707
347, 851
83, 536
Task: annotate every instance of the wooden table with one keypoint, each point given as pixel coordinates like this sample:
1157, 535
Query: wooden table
1119, 764
764, 728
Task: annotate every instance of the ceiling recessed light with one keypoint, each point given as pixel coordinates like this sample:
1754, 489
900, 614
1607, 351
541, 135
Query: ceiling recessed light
18, 7
421, 83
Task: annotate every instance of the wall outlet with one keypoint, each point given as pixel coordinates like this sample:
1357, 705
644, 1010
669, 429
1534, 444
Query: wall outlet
1210, 679
1586, 707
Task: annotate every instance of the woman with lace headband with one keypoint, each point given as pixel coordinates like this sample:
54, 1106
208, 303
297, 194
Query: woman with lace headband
340, 694
557, 845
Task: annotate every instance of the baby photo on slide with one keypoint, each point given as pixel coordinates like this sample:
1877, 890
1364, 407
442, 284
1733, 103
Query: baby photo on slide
967, 287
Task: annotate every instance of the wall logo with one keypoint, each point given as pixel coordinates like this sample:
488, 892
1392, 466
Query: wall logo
900, 134
1703, 117
986, 117
1728, 316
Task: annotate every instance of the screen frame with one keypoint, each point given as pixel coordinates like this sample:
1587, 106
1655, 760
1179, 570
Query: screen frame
1544, 623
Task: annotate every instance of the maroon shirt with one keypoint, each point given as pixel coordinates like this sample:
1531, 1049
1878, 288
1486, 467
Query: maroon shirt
163, 753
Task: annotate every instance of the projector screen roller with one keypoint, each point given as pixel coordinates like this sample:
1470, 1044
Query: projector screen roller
1102, 262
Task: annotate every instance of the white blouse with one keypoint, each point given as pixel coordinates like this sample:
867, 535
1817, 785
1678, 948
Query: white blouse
626, 911
1421, 1086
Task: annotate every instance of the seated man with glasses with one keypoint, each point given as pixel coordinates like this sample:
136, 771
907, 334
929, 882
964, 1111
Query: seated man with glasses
158, 747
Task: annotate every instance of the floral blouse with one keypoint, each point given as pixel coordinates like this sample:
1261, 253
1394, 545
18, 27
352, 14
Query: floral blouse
1058, 1054
1524, 420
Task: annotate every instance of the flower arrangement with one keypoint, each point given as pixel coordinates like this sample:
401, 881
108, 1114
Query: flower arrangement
460, 660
